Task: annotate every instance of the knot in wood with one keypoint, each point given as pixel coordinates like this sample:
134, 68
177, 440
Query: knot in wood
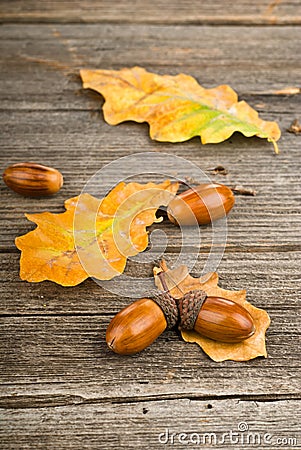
189, 307
169, 306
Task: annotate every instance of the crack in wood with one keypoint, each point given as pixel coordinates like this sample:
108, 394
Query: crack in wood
55, 401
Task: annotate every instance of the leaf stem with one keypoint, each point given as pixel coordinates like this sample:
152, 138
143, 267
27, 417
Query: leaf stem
276, 148
161, 276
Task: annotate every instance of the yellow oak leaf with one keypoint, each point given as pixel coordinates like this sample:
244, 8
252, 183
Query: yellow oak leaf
93, 237
176, 107
179, 281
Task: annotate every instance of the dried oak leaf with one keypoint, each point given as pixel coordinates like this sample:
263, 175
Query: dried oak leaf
177, 108
179, 281
92, 237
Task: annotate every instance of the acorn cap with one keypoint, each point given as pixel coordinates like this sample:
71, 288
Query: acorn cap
169, 307
189, 308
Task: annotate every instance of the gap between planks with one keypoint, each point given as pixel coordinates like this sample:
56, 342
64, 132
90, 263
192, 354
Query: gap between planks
53, 401
240, 248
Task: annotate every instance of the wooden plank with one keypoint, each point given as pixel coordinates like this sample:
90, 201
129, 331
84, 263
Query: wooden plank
156, 424
251, 60
272, 281
71, 351
158, 11
242, 236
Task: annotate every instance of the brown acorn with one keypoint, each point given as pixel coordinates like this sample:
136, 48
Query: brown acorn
202, 204
139, 324
33, 180
216, 318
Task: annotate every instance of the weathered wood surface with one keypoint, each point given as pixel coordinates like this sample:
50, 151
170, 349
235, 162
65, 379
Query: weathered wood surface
158, 11
251, 59
61, 387
157, 424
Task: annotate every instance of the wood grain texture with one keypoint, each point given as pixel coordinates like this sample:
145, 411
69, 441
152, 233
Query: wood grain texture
157, 424
68, 349
61, 387
270, 278
250, 59
158, 11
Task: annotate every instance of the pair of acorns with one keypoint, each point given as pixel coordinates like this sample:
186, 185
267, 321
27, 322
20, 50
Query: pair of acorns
142, 322
139, 324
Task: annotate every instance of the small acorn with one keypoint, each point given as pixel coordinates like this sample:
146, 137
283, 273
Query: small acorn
216, 318
139, 324
202, 204
33, 180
